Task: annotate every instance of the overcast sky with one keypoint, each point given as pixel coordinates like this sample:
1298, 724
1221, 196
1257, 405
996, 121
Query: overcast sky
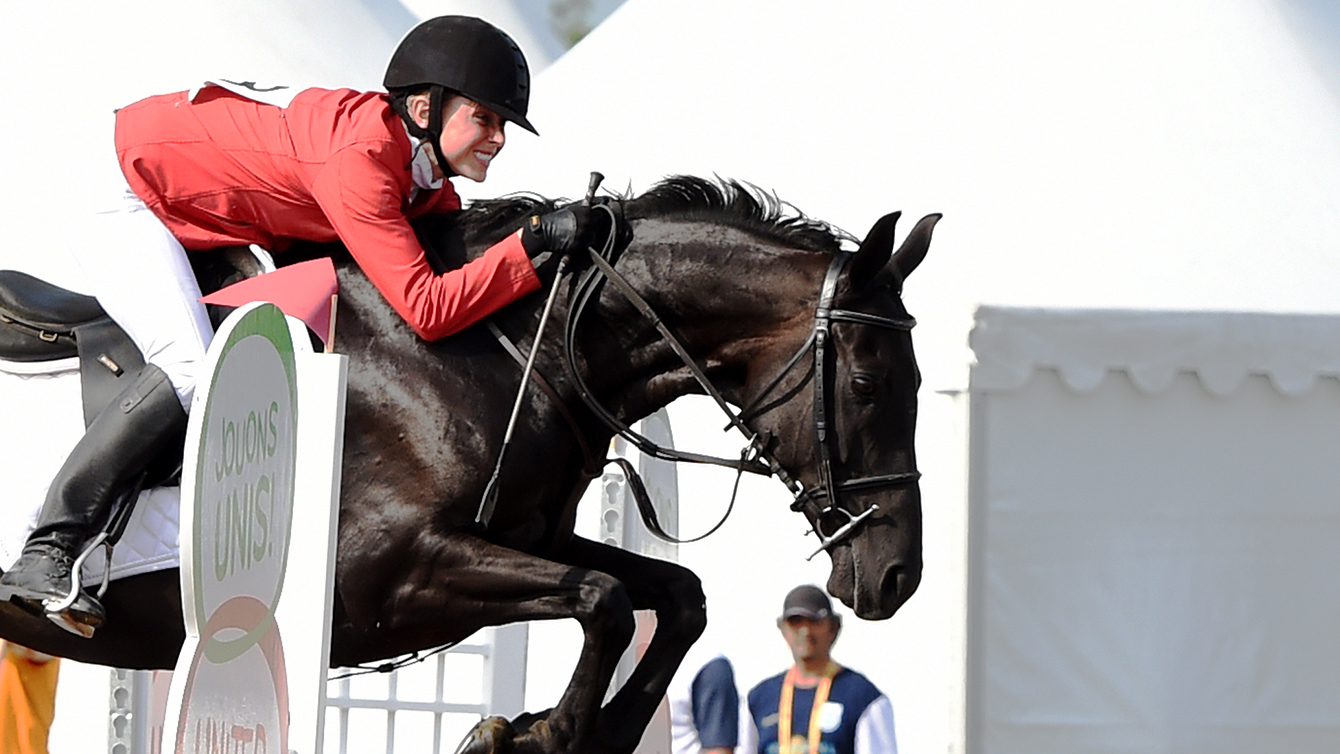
1318, 21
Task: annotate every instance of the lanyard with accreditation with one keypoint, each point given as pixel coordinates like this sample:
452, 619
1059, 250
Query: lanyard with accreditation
785, 705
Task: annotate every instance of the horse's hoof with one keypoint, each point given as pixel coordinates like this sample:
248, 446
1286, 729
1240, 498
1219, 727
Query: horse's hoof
491, 735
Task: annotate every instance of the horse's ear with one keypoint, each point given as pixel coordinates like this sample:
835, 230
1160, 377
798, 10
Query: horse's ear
914, 247
874, 252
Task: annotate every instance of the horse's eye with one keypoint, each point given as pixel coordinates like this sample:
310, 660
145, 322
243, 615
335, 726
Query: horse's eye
863, 385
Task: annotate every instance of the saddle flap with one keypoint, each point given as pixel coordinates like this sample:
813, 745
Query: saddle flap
43, 306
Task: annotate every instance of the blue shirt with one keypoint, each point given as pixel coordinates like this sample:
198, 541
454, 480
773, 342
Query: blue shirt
856, 719
716, 705
704, 705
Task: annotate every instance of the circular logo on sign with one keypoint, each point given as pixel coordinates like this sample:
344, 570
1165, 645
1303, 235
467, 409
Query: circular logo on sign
214, 717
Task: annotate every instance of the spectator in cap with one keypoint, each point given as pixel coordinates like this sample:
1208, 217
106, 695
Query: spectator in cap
817, 706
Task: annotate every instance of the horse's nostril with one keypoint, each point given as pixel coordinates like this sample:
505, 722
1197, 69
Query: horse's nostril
891, 584
899, 582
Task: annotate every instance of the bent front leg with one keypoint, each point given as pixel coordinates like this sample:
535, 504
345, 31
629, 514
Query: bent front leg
676, 594
459, 583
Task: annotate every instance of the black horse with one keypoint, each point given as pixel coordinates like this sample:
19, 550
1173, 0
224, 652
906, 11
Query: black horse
765, 310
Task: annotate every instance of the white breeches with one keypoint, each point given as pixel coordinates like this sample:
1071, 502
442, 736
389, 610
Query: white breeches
138, 271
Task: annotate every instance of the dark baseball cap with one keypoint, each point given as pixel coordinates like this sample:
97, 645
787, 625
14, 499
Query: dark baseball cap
807, 601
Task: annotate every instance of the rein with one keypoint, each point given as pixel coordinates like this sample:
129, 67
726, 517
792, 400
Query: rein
755, 458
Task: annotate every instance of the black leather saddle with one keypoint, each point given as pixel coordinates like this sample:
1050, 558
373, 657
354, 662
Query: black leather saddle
43, 322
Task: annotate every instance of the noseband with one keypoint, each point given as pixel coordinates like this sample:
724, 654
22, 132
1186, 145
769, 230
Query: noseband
817, 502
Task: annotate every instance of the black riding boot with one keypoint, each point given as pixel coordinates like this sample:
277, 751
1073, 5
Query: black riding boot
120, 443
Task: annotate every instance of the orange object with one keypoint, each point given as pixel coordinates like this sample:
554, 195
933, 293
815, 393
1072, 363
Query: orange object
27, 699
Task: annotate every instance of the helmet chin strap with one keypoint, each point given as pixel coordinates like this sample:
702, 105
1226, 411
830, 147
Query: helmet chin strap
435, 107
433, 132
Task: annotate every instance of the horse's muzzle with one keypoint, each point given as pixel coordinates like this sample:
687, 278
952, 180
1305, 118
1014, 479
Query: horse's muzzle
873, 593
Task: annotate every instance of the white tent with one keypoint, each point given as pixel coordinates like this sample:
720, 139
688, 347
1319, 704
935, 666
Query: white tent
1151, 154
1154, 513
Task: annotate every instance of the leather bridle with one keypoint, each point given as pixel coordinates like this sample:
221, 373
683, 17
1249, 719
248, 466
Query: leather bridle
818, 502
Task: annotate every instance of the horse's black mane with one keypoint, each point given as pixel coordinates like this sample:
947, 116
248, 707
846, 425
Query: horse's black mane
724, 202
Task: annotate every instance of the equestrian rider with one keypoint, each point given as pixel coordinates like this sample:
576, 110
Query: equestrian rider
215, 167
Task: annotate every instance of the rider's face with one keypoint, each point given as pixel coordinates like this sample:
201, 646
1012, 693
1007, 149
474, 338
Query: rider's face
472, 135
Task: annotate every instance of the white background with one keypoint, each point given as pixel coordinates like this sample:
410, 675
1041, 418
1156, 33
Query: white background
1148, 154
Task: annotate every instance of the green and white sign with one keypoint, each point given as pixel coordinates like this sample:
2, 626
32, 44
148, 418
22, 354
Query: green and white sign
253, 474
238, 484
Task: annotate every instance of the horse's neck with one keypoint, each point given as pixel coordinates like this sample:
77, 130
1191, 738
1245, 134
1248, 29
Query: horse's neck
725, 308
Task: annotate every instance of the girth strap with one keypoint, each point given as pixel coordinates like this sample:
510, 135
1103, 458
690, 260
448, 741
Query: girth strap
26, 344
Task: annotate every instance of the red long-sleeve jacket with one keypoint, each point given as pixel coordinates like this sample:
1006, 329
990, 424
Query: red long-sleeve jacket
222, 170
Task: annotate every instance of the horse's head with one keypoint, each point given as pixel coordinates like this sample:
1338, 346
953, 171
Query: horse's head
844, 422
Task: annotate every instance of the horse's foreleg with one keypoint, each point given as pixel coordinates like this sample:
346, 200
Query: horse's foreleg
467, 583
676, 595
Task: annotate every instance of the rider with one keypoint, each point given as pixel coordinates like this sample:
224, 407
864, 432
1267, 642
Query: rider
215, 167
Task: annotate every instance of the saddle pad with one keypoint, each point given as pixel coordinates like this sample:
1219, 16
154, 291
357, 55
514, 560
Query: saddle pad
41, 417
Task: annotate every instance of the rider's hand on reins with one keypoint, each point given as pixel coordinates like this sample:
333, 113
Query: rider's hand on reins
562, 230
569, 231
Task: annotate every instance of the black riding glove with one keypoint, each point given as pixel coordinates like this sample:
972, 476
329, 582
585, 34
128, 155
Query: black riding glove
563, 230
566, 231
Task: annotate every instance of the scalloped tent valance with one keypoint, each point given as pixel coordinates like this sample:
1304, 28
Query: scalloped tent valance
1221, 348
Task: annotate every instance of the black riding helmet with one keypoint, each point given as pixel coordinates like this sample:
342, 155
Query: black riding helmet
465, 55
